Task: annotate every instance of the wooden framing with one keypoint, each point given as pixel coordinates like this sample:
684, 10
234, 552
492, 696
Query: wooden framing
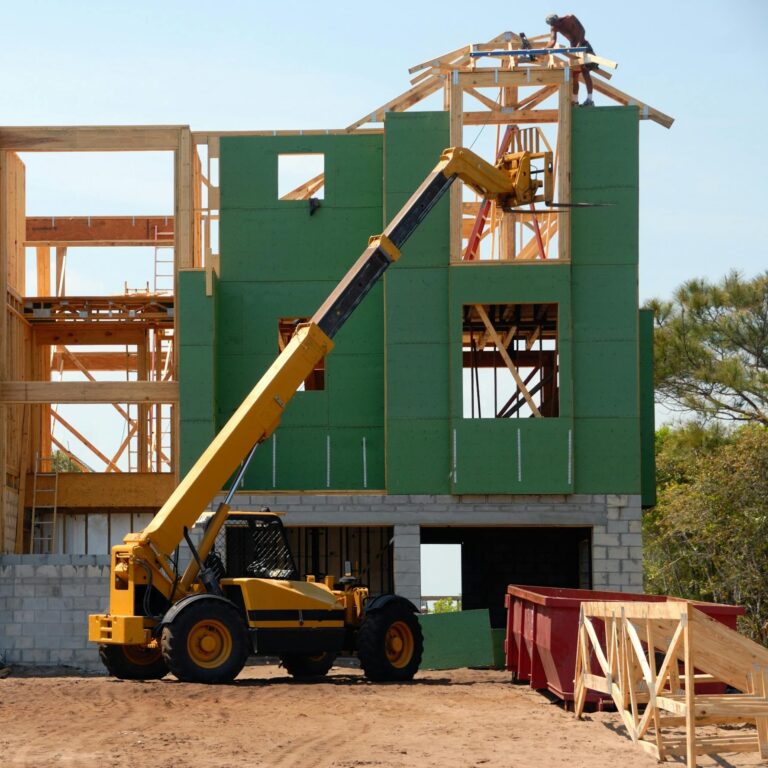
144, 138
35, 332
656, 699
84, 231
87, 491
89, 392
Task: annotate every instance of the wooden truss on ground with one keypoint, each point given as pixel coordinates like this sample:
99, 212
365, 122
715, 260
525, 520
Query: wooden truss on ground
656, 659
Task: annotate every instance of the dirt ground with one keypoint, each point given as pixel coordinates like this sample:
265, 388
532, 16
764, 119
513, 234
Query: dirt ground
458, 718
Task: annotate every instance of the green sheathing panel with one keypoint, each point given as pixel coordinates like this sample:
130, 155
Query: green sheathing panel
416, 307
455, 640
647, 420
511, 455
278, 261
197, 363
604, 256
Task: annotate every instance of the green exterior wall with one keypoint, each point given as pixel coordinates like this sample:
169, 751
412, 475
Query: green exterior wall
647, 410
604, 297
511, 455
278, 261
417, 338
394, 380
197, 348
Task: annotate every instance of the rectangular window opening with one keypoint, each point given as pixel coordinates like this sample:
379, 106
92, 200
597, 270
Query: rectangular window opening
286, 327
301, 177
510, 361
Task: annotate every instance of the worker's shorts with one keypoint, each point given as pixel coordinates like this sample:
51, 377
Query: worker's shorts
589, 50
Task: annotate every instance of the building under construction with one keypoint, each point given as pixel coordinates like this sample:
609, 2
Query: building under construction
496, 392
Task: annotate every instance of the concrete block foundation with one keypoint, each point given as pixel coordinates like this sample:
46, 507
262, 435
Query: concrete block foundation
45, 599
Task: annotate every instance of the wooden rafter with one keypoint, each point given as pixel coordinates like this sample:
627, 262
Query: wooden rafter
84, 440
71, 456
307, 189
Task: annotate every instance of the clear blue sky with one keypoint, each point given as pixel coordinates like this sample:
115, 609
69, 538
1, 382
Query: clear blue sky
246, 65
236, 65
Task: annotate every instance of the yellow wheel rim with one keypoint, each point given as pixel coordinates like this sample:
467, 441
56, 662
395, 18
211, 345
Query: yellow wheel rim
399, 644
209, 643
141, 655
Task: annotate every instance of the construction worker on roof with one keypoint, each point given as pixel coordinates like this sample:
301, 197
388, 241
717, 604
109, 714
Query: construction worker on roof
573, 30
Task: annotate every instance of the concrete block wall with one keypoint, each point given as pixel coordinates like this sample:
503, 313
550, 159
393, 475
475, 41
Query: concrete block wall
44, 605
617, 546
407, 562
617, 556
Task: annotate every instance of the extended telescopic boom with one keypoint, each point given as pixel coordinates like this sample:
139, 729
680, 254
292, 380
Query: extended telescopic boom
509, 183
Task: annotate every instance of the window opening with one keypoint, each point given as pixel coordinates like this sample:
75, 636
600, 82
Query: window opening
510, 361
301, 176
440, 578
286, 326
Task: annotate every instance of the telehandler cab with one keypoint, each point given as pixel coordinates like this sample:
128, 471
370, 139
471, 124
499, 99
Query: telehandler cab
247, 597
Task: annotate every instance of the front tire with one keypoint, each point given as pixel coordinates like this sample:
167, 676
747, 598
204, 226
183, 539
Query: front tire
390, 644
302, 666
206, 642
133, 662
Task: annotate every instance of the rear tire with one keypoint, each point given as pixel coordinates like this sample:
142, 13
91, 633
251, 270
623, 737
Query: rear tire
133, 662
206, 642
390, 644
302, 666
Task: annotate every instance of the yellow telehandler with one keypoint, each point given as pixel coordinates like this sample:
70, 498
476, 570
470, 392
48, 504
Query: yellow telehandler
204, 623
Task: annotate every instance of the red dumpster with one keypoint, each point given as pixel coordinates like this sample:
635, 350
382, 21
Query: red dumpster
542, 632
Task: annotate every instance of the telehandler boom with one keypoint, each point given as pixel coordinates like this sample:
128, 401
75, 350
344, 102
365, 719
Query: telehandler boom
202, 624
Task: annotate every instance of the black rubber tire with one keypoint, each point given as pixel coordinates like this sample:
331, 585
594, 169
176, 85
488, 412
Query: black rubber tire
303, 666
182, 649
376, 658
133, 662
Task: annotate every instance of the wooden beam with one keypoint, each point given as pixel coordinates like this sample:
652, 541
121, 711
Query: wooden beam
74, 333
24, 463
400, 103
101, 491
183, 207
144, 138
95, 361
12, 278
6, 215
143, 415
61, 263
511, 117
99, 231
496, 78
211, 138
647, 112
89, 392
43, 258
